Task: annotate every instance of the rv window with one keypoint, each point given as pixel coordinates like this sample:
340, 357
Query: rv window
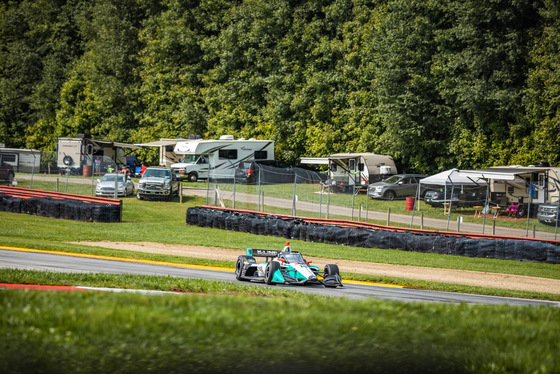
228, 154
333, 167
168, 148
202, 160
361, 167
261, 155
352, 164
190, 159
8, 157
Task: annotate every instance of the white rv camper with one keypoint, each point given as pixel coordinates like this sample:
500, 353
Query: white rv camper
218, 158
354, 171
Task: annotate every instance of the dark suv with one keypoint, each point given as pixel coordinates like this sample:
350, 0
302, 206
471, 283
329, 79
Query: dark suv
396, 186
6, 171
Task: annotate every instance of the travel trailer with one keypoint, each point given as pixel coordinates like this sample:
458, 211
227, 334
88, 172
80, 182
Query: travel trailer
78, 154
217, 159
519, 185
354, 171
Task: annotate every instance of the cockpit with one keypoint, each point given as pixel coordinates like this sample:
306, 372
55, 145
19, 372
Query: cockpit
293, 257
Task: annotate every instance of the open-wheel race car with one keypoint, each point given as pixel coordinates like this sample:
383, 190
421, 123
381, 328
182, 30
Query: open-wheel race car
284, 267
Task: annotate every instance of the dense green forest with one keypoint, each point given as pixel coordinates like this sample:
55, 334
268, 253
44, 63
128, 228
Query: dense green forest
434, 83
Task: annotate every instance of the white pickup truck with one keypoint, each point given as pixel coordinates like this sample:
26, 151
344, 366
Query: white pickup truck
157, 183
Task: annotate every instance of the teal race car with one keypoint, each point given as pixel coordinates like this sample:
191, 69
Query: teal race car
284, 267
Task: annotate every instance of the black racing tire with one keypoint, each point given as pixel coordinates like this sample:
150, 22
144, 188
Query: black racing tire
331, 269
193, 177
389, 195
239, 268
270, 270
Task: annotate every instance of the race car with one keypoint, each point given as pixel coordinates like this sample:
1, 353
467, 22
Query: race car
284, 267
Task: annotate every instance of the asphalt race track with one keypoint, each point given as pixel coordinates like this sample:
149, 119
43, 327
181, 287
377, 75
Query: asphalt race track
45, 261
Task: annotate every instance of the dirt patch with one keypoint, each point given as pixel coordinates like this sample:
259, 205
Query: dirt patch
464, 277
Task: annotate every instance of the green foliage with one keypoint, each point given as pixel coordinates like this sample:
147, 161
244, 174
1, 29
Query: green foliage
434, 83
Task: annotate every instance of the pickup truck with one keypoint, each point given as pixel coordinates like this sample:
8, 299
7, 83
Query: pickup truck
157, 183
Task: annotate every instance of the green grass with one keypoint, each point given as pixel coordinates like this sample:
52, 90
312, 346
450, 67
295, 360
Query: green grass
94, 332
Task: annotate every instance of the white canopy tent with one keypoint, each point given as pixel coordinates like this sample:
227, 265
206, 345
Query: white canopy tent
448, 178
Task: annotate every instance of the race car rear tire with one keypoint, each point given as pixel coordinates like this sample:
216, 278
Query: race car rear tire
270, 270
331, 269
239, 268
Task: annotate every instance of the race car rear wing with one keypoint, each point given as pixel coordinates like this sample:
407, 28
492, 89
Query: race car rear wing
262, 253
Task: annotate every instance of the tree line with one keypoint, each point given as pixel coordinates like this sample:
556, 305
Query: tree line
434, 83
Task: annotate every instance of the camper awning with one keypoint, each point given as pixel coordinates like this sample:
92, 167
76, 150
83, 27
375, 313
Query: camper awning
105, 143
451, 177
344, 156
498, 173
161, 142
315, 160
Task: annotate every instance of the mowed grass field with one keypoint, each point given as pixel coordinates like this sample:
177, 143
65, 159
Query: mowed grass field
219, 327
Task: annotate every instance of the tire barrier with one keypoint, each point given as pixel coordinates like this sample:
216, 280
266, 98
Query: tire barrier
458, 244
63, 206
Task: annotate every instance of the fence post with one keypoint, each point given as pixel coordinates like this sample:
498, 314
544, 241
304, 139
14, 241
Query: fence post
320, 200
493, 227
422, 220
294, 197
388, 217
367, 206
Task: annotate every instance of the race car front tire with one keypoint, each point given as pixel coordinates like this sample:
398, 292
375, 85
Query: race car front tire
331, 269
270, 270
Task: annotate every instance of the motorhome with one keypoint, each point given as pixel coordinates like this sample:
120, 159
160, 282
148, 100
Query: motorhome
217, 159
354, 171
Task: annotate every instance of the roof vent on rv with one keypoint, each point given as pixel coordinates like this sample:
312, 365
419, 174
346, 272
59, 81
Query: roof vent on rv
226, 137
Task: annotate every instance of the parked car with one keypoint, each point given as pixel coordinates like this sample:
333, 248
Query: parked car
547, 213
157, 183
6, 171
396, 186
106, 185
468, 196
